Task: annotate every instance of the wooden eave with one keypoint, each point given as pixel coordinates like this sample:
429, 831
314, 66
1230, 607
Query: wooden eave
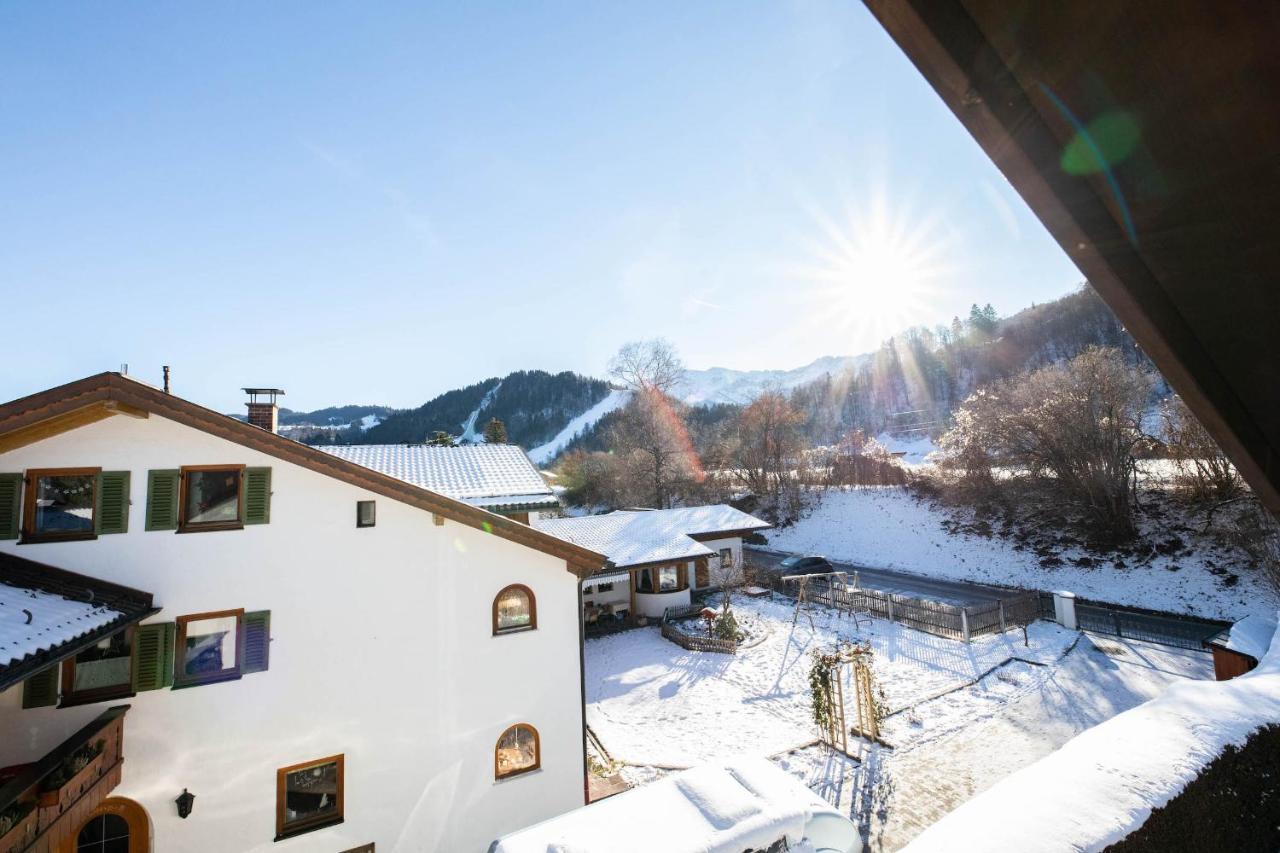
1179, 236
88, 400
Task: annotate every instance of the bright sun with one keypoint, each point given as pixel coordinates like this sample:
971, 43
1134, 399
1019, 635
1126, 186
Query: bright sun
876, 273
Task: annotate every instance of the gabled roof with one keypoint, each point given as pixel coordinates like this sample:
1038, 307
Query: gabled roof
485, 475
48, 614
31, 419
637, 538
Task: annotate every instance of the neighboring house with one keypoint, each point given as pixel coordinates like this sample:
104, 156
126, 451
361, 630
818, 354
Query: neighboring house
322, 655
496, 477
657, 557
1239, 648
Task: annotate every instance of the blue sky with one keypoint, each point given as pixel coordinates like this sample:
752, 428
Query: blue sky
376, 203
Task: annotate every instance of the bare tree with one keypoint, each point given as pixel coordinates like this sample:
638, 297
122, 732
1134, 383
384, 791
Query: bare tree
768, 454
1074, 427
727, 575
652, 439
652, 365
1205, 474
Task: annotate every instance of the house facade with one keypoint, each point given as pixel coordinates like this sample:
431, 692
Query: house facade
657, 558
336, 659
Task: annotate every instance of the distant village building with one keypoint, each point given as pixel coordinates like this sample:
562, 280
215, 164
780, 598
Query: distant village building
214, 638
496, 477
657, 557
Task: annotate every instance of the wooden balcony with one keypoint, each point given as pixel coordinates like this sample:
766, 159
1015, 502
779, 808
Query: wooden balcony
57, 793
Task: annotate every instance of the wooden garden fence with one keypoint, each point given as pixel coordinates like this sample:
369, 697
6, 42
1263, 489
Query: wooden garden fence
938, 618
693, 642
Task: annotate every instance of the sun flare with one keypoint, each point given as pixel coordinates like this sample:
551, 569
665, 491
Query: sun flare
875, 272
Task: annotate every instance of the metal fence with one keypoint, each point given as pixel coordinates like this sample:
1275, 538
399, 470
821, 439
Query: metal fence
1166, 629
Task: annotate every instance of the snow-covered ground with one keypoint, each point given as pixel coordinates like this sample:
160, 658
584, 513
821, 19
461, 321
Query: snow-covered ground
651, 702
890, 528
543, 454
960, 716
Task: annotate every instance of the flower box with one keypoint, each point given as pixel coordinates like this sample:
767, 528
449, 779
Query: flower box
20, 833
72, 789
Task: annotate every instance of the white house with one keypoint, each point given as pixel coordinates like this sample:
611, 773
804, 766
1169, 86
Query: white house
325, 657
656, 557
496, 477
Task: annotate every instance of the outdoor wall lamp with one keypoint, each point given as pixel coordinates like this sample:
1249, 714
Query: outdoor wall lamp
185, 801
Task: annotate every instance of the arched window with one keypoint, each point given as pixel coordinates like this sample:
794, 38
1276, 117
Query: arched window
518, 751
514, 609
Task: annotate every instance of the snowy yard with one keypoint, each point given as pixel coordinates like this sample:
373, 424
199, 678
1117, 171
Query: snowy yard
961, 716
894, 530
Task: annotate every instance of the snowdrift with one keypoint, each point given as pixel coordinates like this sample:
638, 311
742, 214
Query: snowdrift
1104, 783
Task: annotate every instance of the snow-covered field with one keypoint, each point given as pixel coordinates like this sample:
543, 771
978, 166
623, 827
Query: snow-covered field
961, 716
890, 528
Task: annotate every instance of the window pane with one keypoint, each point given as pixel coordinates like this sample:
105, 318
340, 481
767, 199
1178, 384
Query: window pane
105, 665
311, 793
365, 513
210, 647
213, 497
517, 750
513, 609
667, 579
64, 504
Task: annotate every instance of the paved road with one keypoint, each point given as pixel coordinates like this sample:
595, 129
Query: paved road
899, 583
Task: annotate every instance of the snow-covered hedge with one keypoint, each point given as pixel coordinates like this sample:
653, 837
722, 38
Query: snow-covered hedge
1104, 783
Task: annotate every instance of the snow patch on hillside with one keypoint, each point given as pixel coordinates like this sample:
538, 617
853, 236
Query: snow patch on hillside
891, 528
469, 425
612, 401
914, 449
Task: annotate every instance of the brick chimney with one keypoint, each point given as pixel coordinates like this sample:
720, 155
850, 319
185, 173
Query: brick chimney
263, 413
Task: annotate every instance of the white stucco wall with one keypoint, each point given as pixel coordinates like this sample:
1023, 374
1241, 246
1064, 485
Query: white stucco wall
381, 650
652, 604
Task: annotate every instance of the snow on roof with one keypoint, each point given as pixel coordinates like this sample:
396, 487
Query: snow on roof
627, 539
632, 538
745, 805
1104, 783
33, 621
475, 473
1250, 636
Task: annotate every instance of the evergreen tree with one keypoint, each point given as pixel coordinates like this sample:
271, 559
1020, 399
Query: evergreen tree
440, 438
495, 432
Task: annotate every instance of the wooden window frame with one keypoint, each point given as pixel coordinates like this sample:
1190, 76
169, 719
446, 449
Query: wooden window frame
185, 526
31, 489
533, 612
498, 775
180, 650
359, 522
305, 825
72, 697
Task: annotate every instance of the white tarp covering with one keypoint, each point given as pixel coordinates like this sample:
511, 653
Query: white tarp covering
747, 804
596, 580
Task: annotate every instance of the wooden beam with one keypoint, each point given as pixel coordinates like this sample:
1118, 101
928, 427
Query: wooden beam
55, 425
125, 409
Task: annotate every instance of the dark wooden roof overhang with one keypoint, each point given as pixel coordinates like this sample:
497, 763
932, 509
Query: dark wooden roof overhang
75, 404
728, 534
1178, 232
133, 606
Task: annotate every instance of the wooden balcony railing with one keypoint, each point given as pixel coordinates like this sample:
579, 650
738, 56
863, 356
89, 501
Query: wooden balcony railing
50, 799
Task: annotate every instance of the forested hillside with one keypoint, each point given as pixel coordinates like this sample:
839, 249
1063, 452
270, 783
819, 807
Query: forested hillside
533, 404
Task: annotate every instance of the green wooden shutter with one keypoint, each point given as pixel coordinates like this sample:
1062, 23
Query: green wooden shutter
257, 641
10, 505
112, 514
257, 495
153, 656
162, 500
41, 689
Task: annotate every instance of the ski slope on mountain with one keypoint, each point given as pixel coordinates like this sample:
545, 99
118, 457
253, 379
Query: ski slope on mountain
613, 401
469, 433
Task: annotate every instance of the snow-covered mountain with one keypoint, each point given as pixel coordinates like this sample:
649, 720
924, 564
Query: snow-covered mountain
723, 385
